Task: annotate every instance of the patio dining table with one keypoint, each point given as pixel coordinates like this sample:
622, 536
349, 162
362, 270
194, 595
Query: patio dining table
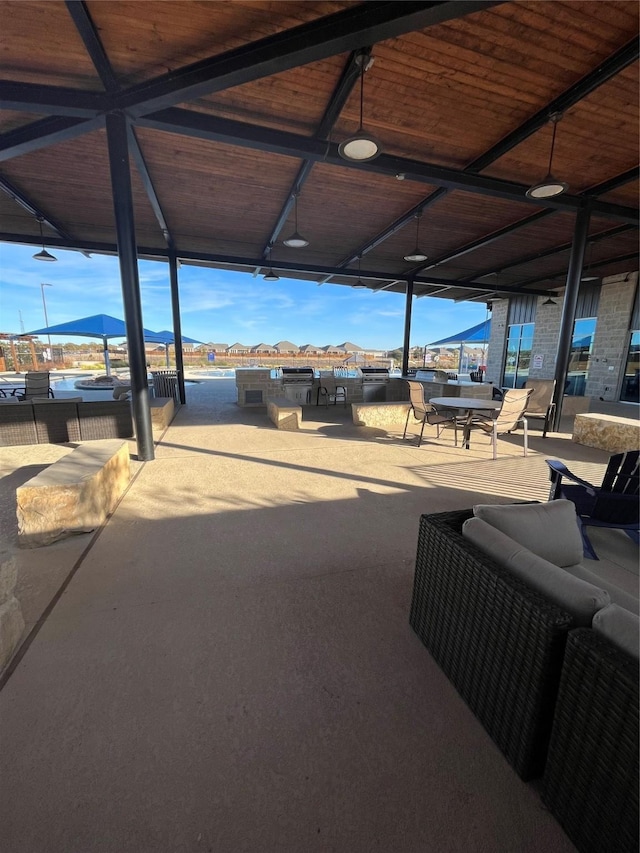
468, 405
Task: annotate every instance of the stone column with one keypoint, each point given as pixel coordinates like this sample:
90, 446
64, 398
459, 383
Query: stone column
11, 621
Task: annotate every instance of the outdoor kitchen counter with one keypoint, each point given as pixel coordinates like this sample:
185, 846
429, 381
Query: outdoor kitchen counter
456, 388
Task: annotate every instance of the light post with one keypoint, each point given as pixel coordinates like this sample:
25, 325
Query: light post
46, 319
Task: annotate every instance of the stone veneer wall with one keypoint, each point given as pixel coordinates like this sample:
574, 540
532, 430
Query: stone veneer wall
611, 339
609, 346
497, 342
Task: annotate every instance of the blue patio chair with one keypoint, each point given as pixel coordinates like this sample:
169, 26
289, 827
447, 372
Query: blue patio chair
613, 504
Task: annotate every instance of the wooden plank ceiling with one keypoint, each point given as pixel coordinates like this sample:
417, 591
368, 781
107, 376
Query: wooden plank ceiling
236, 107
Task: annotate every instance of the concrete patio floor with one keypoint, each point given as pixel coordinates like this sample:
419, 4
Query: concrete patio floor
228, 666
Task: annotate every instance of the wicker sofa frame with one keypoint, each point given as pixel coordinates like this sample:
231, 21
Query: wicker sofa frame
60, 422
591, 776
498, 641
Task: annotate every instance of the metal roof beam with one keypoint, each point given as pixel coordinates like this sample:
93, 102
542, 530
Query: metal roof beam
631, 256
31, 208
230, 261
43, 133
59, 100
350, 29
212, 128
93, 44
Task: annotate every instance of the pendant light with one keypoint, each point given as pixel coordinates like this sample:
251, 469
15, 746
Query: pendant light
43, 255
549, 187
417, 255
359, 282
296, 241
362, 146
270, 275
549, 301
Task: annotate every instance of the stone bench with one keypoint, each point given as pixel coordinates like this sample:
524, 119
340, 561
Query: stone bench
383, 414
606, 432
284, 413
74, 494
163, 411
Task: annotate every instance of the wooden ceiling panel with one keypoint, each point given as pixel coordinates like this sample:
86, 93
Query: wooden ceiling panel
40, 44
81, 166
234, 185
145, 40
496, 67
11, 119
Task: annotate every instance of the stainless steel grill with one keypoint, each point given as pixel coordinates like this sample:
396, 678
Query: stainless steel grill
374, 382
297, 383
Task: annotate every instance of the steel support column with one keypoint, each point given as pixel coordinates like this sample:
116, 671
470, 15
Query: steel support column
117, 139
177, 326
574, 272
407, 327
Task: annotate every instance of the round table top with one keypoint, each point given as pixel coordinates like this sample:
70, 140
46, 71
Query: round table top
465, 403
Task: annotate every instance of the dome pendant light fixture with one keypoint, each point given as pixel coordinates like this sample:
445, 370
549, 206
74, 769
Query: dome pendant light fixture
270, 275
296, 241
43, 255
549, 187
417, 255
362, 146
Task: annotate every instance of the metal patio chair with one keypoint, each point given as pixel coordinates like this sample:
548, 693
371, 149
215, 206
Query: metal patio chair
541, 405
510, 414
36, 384
428, 414
613, 504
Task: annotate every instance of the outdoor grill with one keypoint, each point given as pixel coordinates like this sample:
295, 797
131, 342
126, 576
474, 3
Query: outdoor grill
374, 382
297, 382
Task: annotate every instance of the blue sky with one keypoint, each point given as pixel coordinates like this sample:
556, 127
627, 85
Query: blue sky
219, 306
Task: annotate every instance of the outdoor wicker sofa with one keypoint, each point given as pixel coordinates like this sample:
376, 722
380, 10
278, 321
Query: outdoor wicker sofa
499, 642
557, 699
61, 421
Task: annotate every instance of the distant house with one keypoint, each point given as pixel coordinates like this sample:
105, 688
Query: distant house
286, 347
238, 348
263, 348
333, 350
311, 349
347, 346
211, 347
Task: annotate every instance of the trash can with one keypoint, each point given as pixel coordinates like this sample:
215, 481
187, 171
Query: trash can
165, 383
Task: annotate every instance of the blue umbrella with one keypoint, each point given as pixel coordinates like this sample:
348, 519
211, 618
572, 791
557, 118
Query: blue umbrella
97, 326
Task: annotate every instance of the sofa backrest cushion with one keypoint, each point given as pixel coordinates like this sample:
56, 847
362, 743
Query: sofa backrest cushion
619, 627
618, 596
549, 529
577, 597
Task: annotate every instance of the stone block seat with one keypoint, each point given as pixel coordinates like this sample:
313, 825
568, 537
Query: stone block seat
383, 414
73, 495
607, 432
284, 413
163, 410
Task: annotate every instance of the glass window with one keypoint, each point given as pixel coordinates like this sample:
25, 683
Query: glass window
629, 391
580, 356
518, 356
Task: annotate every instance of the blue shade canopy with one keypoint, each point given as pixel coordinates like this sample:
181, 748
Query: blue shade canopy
475, 335
97, 326
166, 337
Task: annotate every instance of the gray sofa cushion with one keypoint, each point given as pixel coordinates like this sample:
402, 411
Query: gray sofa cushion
619, 627
618, 596
574, 595
550, 529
